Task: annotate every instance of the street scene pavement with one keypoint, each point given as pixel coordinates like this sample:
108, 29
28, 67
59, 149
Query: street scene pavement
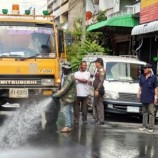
119, 137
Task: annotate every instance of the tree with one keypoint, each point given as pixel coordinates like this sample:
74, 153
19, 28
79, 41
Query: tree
101, 16
94, 42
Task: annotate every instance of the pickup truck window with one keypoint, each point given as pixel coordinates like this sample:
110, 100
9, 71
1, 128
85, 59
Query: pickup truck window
122, 71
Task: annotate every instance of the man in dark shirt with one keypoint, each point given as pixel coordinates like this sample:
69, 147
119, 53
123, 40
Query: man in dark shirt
148, 96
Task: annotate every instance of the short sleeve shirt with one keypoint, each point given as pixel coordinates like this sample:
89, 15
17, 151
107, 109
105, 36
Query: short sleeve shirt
82, 88
148, 86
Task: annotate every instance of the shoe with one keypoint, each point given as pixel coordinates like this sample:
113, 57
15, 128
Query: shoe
142, 128
84, 122
66, 129
100, 123
76, 122
95, 122
151, 130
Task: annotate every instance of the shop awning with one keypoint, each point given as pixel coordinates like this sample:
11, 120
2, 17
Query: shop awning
119, 21
145, 28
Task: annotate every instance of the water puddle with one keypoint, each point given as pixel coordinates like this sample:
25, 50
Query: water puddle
74, 152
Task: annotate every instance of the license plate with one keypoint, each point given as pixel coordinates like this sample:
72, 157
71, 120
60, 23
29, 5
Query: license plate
132, 109
18, 93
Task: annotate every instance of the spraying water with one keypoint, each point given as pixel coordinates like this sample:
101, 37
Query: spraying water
17, 129
24, 123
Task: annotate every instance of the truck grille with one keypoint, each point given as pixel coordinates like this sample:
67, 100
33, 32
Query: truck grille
128, 97
23, 81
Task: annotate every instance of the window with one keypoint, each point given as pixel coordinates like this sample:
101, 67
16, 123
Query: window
22, 41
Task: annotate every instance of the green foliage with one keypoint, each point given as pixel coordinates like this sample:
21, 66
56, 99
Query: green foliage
88, 46
101, 16
77, 31
95, 42
102, 39
81, 51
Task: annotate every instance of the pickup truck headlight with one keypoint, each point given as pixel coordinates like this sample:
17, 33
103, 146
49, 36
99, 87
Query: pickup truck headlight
47, 82
111, 95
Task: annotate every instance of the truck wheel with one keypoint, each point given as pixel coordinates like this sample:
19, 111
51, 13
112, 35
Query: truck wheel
2, 102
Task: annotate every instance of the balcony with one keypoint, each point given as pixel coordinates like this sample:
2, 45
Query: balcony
64, 8
50, 2
50, 10
63, 1
57, 12
128, 9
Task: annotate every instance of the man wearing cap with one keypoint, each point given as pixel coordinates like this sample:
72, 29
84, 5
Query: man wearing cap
148, 95
99, 91
67, 94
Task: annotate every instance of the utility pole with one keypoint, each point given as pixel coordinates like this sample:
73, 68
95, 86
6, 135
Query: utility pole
34, 12
84, 22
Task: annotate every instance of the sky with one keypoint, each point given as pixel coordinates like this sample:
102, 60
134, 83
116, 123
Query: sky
39, 5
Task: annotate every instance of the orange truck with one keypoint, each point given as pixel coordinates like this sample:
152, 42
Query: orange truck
32, 49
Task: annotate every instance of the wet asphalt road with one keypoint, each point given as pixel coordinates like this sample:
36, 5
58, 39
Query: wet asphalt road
118, 138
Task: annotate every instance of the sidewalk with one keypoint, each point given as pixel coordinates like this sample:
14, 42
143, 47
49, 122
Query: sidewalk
122, 126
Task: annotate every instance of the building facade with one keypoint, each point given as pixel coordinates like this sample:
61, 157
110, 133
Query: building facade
122, 16
59, 9
67, 11
145, 35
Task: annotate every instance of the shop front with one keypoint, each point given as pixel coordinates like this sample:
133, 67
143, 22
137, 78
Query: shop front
145, 43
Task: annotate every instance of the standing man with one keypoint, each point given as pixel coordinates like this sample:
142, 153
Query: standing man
67, 94
82, 77
99, 91
148, 95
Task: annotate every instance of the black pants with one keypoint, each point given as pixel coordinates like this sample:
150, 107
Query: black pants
80, 101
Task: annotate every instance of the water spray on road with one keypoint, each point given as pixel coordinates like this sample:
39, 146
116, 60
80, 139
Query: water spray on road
23, 124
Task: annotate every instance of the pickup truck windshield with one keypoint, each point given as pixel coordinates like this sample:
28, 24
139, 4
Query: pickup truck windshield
24, 42
122, 71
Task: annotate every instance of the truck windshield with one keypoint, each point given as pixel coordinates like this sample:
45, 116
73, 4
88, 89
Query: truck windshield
24, 42
122, 71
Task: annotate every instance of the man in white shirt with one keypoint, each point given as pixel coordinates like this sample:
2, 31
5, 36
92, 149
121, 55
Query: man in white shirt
82, 78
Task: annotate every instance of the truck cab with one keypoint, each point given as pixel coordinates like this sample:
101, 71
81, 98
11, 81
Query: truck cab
31, 52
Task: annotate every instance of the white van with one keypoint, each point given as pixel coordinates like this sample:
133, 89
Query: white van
121, 83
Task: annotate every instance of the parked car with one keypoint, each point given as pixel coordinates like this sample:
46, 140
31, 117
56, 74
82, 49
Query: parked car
121, 83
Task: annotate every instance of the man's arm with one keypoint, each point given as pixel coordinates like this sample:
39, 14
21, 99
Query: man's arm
156, 96
84, 80
139, 92
81, 80
156, 91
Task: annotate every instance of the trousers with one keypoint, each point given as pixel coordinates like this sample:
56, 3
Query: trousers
67, 112
80, 101
99, 108
148, 115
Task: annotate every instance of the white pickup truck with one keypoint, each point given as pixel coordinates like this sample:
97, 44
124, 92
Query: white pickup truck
121, 83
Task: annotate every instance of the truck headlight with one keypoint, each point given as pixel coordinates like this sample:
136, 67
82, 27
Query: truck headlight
111, 95
47, 82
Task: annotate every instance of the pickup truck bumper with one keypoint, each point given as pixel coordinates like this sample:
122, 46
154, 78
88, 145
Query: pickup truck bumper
122, 107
